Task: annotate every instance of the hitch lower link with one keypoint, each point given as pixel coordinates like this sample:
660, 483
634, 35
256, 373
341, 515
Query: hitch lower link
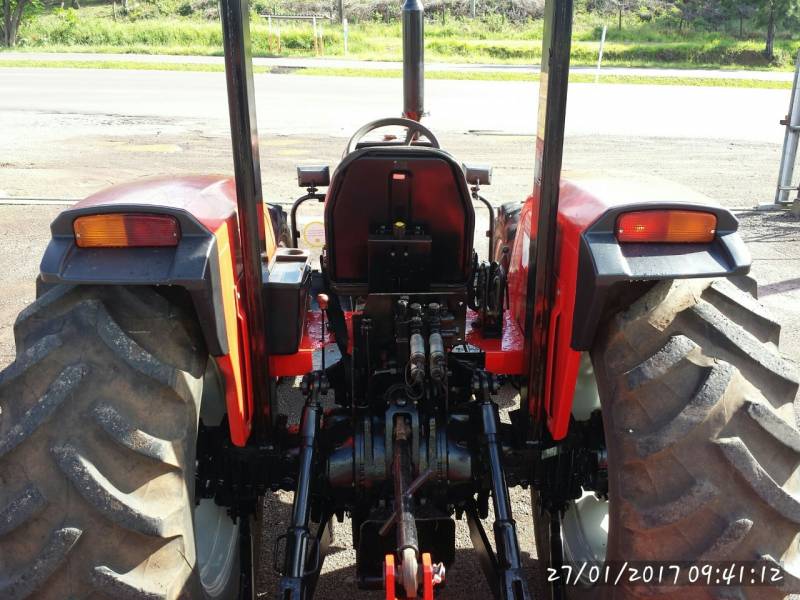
503, 569
304, 553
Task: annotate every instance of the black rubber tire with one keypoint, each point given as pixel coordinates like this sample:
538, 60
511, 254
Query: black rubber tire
97, 448
700, 417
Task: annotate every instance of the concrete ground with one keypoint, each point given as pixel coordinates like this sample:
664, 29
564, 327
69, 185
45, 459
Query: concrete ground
50, 153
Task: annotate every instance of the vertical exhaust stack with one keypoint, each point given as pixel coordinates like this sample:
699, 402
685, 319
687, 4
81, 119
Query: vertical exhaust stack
413, 59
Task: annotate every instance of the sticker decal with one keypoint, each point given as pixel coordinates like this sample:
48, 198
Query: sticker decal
314, 234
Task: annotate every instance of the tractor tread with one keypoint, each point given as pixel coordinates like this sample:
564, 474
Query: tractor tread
773, 423
123, 587
99, 415
33, 316
130, 352
673, 353
668, 513
52, 556
126, 434
22, 506
737, 453
58, 392
744, 310
717, 380
33, 355
123, 509
700, 411
766, 366
728, 540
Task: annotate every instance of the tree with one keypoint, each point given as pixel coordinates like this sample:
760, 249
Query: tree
710, 12
739, 9
769, 14
616, 7
13, 12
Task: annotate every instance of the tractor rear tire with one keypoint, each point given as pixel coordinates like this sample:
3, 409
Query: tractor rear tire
98, 435
701, 425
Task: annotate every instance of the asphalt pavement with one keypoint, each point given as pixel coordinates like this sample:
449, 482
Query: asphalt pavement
69, 132
289, 104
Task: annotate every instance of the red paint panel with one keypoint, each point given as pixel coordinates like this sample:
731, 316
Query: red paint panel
234, 365
301, 362
577, 210
211, 199
504, 356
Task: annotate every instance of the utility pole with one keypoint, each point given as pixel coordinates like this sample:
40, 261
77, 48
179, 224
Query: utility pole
340, 8
472, 8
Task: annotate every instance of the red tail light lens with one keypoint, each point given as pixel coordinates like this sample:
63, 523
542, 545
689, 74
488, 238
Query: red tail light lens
667, 226
126, 231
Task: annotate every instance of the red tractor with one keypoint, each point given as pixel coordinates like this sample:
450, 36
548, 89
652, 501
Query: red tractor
656, 425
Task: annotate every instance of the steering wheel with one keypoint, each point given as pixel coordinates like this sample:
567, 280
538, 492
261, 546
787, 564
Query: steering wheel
412, 129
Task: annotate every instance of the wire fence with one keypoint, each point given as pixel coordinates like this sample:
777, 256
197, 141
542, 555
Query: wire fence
389, 10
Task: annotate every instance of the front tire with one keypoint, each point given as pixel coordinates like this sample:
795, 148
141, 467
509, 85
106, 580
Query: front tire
98, 434
700, 418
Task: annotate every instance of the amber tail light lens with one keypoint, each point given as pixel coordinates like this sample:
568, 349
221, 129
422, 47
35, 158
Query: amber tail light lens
667, 226
126, 231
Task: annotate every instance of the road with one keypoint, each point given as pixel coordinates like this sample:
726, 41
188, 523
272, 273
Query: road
296, 62
337, 106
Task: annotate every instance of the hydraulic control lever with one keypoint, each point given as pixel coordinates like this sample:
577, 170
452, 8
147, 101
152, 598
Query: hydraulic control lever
416, 347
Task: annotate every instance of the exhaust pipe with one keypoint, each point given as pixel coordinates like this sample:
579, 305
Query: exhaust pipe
413, 59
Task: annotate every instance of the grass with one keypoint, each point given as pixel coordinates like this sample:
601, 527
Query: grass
92, 29
396, 73
574, 78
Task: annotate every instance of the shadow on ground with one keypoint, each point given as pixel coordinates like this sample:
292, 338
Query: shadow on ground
338, 579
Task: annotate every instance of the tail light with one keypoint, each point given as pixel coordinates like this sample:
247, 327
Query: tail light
667, 226
125, 230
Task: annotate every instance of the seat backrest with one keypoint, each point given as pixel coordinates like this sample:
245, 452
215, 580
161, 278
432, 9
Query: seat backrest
377, 186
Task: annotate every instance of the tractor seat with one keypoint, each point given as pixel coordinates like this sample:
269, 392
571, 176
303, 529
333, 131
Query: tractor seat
375, 187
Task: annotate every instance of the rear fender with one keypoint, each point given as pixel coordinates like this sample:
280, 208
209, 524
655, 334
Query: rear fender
592, 266
206, 263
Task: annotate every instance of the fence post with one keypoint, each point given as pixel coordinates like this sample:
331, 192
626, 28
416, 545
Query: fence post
600, 54
345, 31
314, 25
